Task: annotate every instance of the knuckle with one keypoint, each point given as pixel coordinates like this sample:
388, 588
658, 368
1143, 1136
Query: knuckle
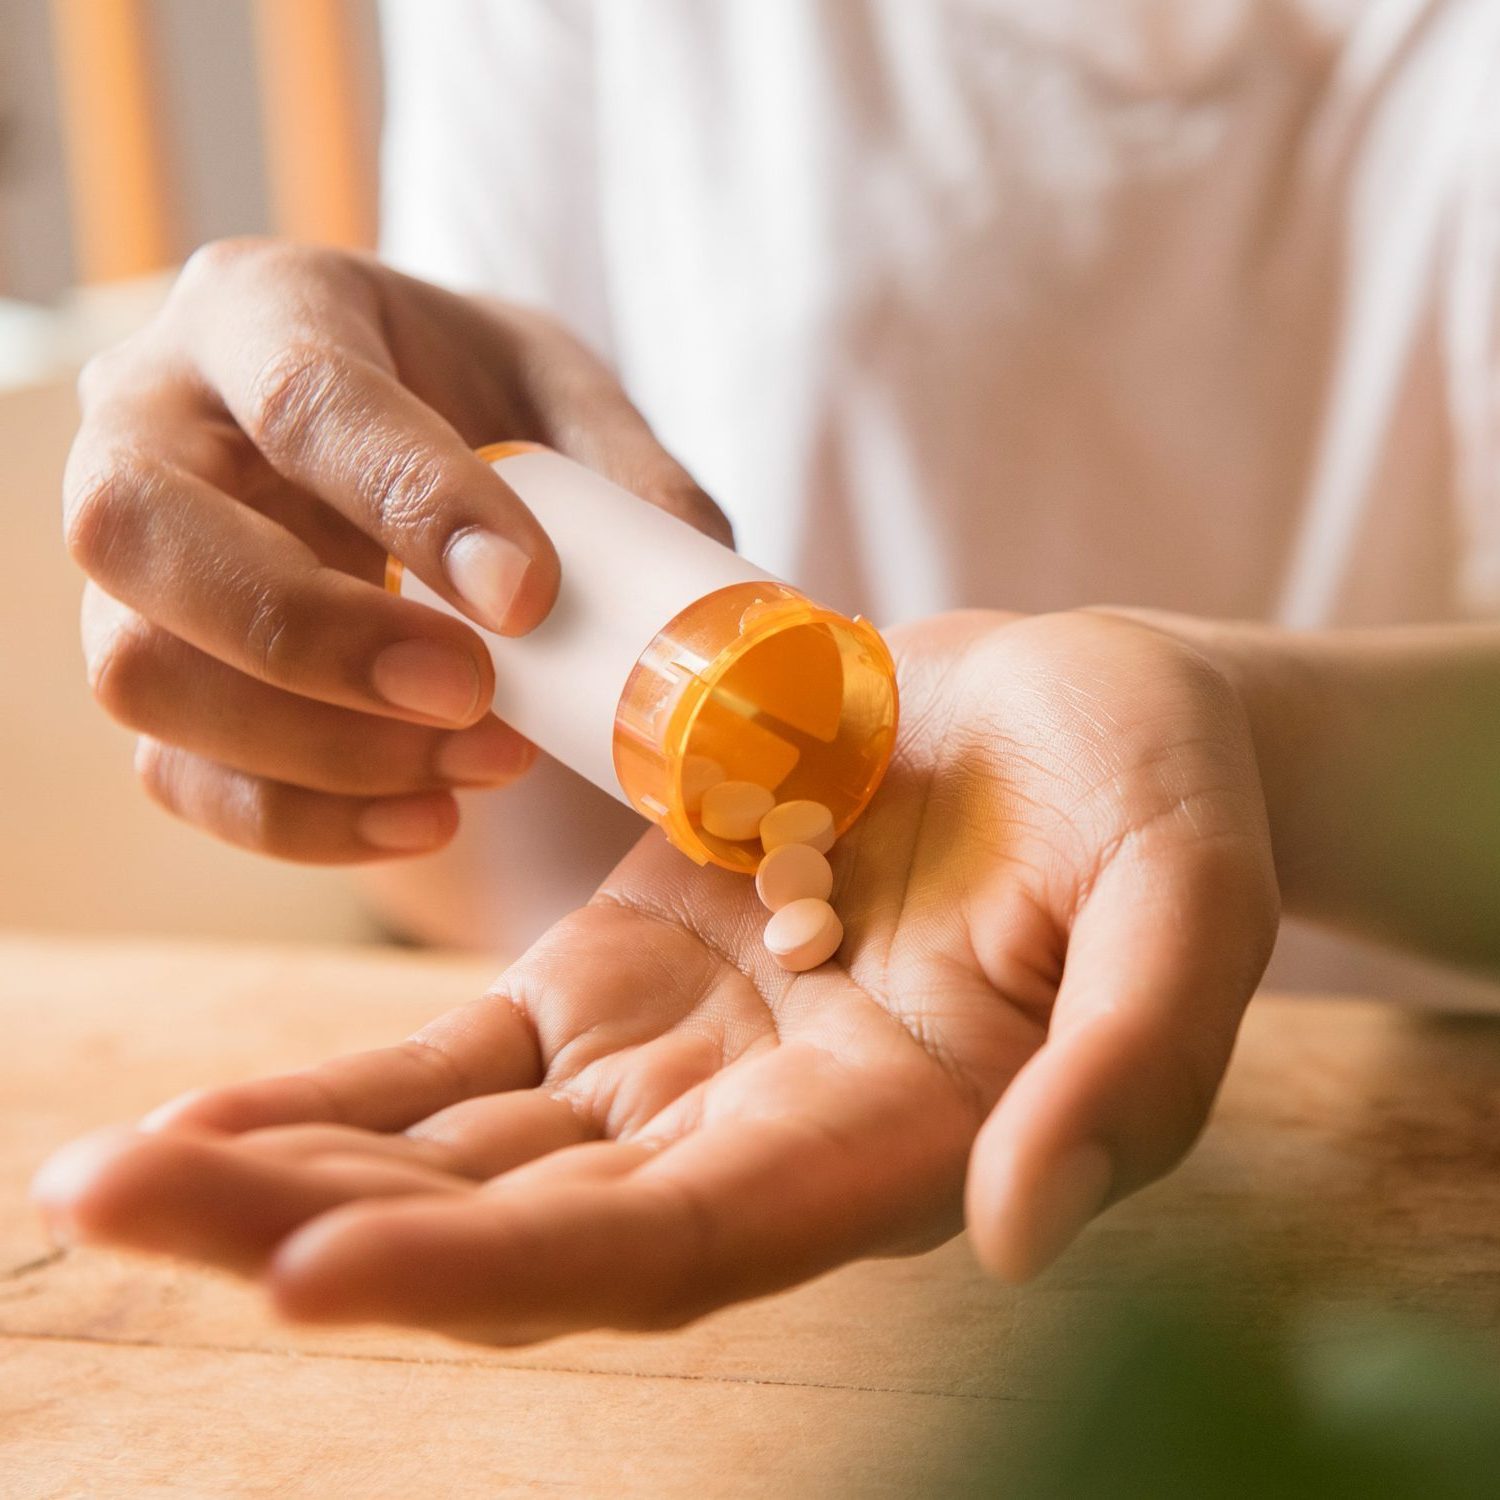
122, 670
88, 508
408, 490
98, 375
152, 770
261, 267
260, 263
275, 632
216, 260
100, 504
122, 367
288, 393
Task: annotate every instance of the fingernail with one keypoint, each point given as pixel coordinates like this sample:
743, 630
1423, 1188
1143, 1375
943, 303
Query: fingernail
487, 753
427, 678
1075, 1191
487, 570
407, 824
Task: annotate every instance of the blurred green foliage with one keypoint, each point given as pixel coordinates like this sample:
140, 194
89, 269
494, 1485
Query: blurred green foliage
1176, 1403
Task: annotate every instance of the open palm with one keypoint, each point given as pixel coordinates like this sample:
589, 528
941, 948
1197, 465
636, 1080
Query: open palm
1055, 910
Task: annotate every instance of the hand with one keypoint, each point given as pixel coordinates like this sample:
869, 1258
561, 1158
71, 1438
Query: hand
1056, 909
245, 464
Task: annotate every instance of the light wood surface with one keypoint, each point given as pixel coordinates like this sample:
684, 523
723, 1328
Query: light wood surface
1354, 1158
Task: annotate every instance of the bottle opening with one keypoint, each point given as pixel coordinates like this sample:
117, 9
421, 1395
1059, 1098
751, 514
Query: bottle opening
770, 688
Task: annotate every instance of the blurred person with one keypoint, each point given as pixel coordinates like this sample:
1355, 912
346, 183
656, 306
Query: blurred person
1159, 335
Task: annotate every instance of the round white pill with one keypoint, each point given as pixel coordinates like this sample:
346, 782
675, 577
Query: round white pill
733, 809
802, 822
699, 772
804, 934
793, 872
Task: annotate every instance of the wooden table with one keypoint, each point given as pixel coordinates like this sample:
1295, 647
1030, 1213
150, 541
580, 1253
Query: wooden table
1356, 1155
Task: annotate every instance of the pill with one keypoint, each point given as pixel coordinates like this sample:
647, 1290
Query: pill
804, 934
792, 872
733, 809
800, 822
699, 772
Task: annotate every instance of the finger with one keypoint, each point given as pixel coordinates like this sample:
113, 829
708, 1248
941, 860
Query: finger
583, 411
477, 1139
226, 579
487, 1136
486, 1047
200, 1197
300, 361
739, 1209
1161, 963
162, 687
288, 822
142, 397
299, 1145
590, 1161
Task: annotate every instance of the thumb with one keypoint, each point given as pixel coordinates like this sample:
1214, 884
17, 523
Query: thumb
1161, 962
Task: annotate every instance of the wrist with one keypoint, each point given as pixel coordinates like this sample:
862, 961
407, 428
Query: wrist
1376, 750
1286, 700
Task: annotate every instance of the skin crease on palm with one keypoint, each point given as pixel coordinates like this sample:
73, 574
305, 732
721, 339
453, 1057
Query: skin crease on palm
1056, 908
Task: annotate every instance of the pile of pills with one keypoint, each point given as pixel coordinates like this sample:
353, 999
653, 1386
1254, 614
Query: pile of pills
794, 878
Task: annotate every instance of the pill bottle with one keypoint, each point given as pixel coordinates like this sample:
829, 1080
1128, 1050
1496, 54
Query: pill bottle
667, 652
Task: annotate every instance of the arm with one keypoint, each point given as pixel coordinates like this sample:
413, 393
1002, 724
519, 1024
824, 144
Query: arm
1379, 751
1055, 911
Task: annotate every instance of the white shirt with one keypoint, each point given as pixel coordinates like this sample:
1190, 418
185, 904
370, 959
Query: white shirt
1023, 303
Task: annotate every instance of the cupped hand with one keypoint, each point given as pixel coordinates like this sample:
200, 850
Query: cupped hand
245, 464
1056, 909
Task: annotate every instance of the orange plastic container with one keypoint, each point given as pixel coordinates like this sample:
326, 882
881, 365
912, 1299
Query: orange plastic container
665, 646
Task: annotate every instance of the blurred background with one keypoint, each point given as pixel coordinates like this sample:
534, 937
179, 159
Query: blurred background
130, 132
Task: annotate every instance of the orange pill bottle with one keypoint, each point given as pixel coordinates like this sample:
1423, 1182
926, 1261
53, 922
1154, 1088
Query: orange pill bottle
665, 648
